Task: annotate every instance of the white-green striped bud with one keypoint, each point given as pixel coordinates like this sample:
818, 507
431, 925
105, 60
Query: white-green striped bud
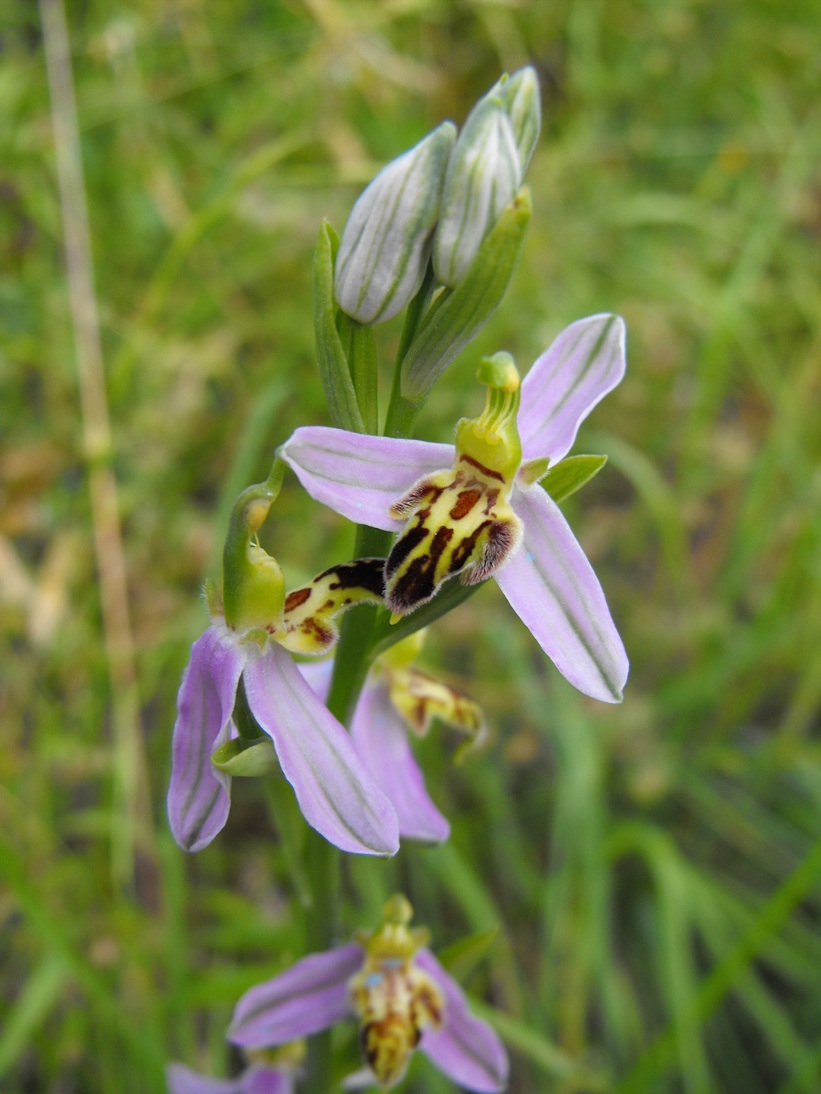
483, 177
387, 241
520, 97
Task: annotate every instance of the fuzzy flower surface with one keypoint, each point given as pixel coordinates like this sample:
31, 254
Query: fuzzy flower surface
337, 795
476, 508
401, 997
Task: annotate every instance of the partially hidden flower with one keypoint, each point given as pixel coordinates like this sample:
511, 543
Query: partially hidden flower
268, 1072
401, 997
399, 699
388, 237
242, 690
476, 509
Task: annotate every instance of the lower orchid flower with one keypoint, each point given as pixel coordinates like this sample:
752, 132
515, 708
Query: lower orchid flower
244, 707
266, 1073
397, 698
477, 510
401, 997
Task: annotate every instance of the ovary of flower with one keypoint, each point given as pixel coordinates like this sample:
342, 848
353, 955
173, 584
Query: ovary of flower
543, 572
400, 996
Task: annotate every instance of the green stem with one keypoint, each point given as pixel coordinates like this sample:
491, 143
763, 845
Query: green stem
321, 927
323, 866
402, 412
352, 660
401, 416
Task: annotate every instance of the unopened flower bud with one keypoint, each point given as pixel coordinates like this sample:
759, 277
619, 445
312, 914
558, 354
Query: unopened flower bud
483, 176
520, 96
387, 241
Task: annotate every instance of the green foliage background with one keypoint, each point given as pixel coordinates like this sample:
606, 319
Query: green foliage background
654, 868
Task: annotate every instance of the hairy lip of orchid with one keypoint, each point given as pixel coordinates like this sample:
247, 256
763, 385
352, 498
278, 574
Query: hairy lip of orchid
393, 1000
401, 997
460, 521
545, 576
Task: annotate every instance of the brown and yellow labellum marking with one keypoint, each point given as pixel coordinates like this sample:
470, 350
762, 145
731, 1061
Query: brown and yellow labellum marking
309, 625
394, 1002
420, 699
459, 522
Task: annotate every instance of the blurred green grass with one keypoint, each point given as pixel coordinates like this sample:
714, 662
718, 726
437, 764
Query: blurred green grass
655, 868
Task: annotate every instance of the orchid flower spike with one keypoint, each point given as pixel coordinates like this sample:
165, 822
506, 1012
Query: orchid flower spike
401, 997
243, 706
475, 508
399, 700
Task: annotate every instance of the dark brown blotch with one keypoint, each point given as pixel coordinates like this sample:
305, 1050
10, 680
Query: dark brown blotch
407, 542
465, 549
418, 584
362, 573
464, 503
296, 599
488, 471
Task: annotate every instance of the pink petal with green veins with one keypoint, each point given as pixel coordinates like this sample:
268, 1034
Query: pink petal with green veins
381, 740
466, 1048
198, 794
564, 384
336, 794
358, 475
552, 588
308, 997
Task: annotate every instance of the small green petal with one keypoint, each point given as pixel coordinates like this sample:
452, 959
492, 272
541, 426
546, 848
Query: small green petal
570, 474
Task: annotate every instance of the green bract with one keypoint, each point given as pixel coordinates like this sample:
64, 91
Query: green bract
457, 316
334, 370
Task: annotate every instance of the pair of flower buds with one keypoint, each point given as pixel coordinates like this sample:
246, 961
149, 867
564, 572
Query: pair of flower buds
438, 202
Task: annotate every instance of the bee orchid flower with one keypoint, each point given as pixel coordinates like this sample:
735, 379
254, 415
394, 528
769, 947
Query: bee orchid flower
401, 997
243, 694
476, 509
